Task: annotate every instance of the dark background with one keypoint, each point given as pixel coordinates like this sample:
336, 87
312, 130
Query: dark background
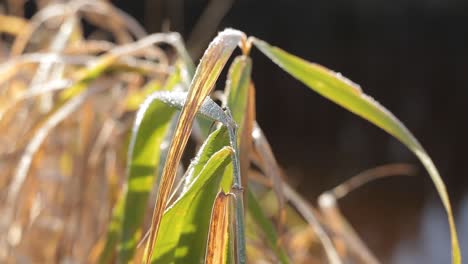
411, 56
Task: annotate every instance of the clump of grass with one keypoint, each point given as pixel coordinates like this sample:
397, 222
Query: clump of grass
93, 132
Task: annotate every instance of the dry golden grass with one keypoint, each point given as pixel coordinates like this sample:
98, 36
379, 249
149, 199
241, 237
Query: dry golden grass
72, 107
62, 157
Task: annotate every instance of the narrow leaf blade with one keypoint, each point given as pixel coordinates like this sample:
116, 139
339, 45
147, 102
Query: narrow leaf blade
151, 125
347, 94
216, 251
204, 79
237, 88
182, 229
240, 99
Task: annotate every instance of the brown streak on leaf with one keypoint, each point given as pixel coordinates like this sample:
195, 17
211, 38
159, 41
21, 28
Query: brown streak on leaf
218, 234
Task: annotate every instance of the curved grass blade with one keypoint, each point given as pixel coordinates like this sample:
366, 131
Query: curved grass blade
235, 94
196, 221
159, 127
198, 213
151, 125
150, 129
204, 79
216, 141
347, 94
184, 226
218, 238
208, 109
212, 144
214, 113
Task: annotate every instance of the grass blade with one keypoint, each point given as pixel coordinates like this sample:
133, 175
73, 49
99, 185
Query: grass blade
347, 94
246, 142
185, 224
150, 130
204, 79
144, 155
237, 88
151, 125
240, 99
218, 238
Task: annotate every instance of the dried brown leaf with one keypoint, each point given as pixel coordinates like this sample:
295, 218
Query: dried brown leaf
218, 236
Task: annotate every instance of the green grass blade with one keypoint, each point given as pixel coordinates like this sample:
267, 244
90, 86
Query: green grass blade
184, 226
151, 125
345, 93
144, 154
237, 88
202, 84
240, 100
213, 143
255, 210
236, 92
150, 128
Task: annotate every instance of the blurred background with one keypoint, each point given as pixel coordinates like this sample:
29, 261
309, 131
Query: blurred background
409, 55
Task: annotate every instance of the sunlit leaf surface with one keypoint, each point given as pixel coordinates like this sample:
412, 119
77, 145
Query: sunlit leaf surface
349, 95
184, 226
218, 238
202, 84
